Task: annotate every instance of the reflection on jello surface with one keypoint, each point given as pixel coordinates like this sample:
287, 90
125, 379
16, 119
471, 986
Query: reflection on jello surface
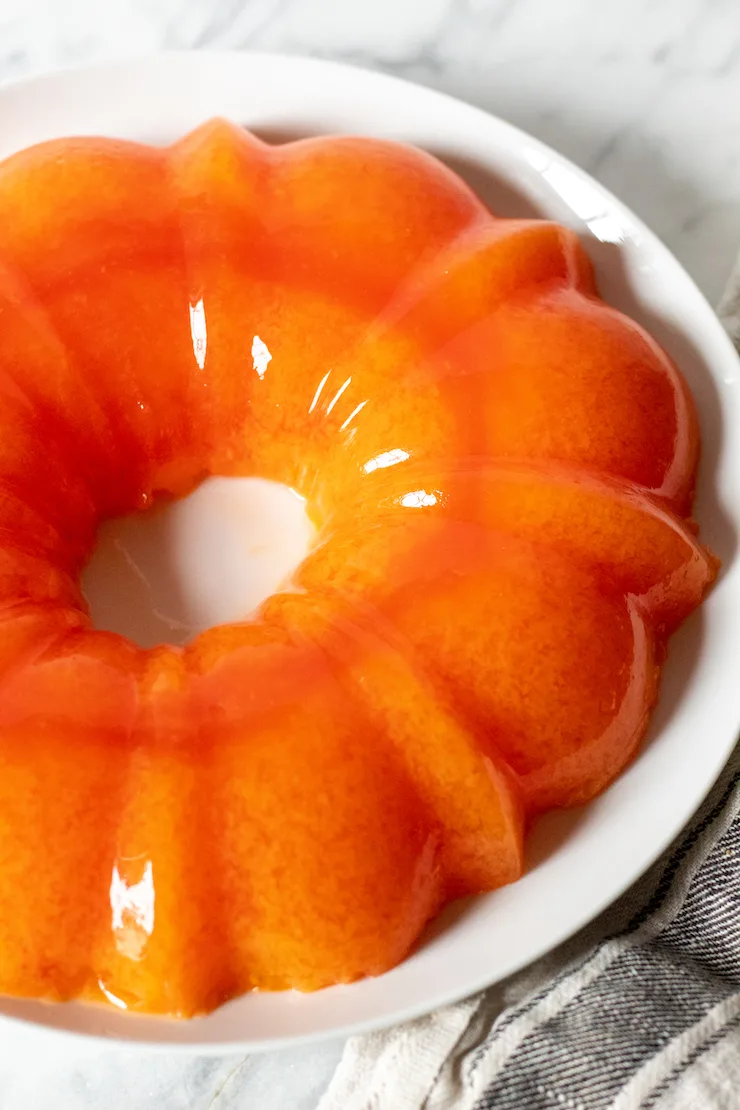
422, 595
132, 905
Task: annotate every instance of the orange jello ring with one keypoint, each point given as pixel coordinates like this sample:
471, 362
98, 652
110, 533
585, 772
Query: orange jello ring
500, 469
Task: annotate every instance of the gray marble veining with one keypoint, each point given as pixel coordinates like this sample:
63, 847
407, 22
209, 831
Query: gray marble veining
641, 93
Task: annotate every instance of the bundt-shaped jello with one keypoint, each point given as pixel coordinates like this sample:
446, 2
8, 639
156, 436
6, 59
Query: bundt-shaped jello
500, 471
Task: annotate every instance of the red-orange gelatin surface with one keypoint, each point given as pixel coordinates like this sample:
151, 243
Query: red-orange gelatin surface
500, 468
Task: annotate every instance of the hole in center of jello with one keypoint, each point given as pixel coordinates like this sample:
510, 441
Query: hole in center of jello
214, 556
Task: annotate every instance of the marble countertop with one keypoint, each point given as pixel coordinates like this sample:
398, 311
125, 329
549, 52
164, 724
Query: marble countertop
641, 93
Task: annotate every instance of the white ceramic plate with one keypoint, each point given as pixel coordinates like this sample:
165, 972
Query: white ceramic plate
578, 863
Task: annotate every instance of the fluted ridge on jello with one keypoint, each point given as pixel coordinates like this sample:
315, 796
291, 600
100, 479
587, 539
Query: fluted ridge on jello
500, 468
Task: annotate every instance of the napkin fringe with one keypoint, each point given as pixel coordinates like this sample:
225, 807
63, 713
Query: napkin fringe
465, 1055
550, 1036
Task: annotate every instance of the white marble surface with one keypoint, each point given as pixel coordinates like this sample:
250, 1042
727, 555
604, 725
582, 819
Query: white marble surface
642, 93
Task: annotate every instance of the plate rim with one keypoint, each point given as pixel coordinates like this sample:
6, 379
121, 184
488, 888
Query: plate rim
44, 84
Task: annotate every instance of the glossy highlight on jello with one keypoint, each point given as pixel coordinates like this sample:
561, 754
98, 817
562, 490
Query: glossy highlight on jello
500, 471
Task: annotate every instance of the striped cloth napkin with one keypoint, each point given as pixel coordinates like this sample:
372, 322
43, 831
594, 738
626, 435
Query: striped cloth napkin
640, 1011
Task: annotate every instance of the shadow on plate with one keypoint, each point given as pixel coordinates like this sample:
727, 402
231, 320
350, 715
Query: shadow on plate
548, 833
504, 197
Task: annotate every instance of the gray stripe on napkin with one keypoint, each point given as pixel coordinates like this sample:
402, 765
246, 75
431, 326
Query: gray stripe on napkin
644, 1000
639, 1011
